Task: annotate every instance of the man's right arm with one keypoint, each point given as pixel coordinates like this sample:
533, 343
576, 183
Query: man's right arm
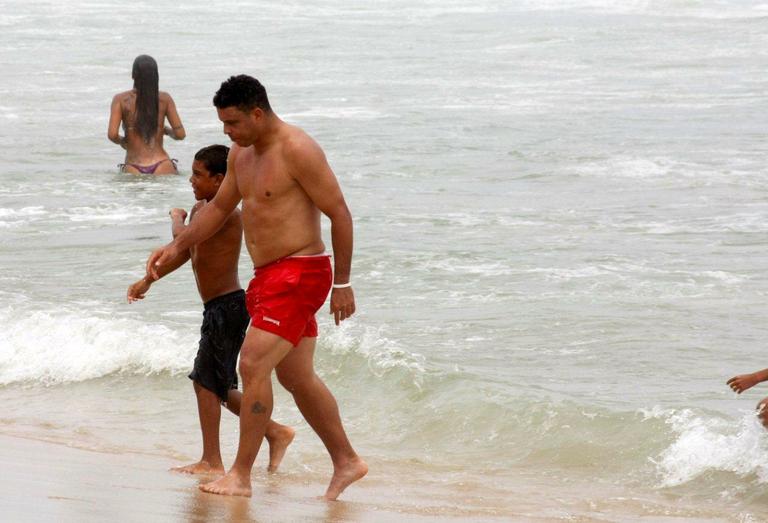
208, 220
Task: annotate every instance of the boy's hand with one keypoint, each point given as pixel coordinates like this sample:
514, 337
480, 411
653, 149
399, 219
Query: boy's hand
743, 382
178, 213
138, 290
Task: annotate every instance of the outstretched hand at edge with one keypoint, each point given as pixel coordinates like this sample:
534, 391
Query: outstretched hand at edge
743, 382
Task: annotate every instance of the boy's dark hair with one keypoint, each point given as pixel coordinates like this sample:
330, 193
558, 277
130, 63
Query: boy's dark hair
244, 92
214, 157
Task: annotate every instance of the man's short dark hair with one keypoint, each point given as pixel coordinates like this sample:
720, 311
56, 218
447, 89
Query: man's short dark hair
214, 157
244, 92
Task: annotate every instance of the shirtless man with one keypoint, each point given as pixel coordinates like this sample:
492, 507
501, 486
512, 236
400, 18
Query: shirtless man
285, 182
225, 319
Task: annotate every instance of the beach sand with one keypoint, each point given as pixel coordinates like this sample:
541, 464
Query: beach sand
45, 481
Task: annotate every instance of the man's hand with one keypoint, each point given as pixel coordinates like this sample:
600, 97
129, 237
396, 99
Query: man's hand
138, 290
160, 257
342, 304
743, 382
178, 213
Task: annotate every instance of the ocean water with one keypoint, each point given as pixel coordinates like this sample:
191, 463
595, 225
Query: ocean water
561, 220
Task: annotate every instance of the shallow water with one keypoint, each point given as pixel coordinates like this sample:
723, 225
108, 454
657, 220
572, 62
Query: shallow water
559, 246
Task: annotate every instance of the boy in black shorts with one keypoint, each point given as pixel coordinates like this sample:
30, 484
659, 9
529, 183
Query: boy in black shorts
225, 318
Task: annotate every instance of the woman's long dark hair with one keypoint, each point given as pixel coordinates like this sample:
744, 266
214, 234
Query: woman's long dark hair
145, 81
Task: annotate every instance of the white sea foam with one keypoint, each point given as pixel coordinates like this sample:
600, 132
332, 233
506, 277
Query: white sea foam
705, 10
57, 346
110, 213
10, 218
382, 354
346, 113
704, 444
23, 212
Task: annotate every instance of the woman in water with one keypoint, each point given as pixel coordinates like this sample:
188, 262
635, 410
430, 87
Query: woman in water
143, 111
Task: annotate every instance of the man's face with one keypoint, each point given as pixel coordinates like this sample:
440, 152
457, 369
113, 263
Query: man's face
204, 184
241, 126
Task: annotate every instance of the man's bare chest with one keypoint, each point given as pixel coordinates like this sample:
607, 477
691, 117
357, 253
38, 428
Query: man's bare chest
264, 180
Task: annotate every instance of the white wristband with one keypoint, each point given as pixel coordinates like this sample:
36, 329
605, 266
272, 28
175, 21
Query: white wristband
342, 285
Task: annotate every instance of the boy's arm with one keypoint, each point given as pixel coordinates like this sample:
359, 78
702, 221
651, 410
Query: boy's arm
743, 382
139, 289
178, 216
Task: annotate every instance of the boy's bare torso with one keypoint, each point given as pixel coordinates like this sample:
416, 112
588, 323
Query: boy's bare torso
215, 260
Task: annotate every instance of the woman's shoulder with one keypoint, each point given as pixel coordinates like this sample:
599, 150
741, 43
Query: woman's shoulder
125, 95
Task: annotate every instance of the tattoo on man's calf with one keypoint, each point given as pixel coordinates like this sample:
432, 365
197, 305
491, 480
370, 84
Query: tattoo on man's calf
258, 408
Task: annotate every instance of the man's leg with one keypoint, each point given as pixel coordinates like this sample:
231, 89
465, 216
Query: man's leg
209, 411
318, 406
260, 354
278, 436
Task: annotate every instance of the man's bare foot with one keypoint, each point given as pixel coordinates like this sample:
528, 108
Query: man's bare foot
345, 476
201, 467
278, 443
230, 484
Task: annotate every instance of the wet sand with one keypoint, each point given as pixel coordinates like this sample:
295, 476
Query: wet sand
45, 481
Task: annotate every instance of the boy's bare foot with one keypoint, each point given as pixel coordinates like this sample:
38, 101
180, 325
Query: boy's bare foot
201, 467
230, 484
278, 443
345, 476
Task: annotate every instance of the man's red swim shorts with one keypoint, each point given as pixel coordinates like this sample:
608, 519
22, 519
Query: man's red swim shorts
284, 295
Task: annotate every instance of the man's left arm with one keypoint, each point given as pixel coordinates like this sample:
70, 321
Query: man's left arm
315, 176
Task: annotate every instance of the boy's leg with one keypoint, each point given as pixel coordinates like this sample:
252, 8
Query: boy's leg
209, 411
318, 406
260, 354
278, 436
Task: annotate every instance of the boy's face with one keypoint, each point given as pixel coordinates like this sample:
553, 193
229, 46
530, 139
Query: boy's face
204, 184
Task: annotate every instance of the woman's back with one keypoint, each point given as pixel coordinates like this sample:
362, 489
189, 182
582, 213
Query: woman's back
142, 111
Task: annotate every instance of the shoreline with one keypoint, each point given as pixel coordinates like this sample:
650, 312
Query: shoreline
47, 481
50, 481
